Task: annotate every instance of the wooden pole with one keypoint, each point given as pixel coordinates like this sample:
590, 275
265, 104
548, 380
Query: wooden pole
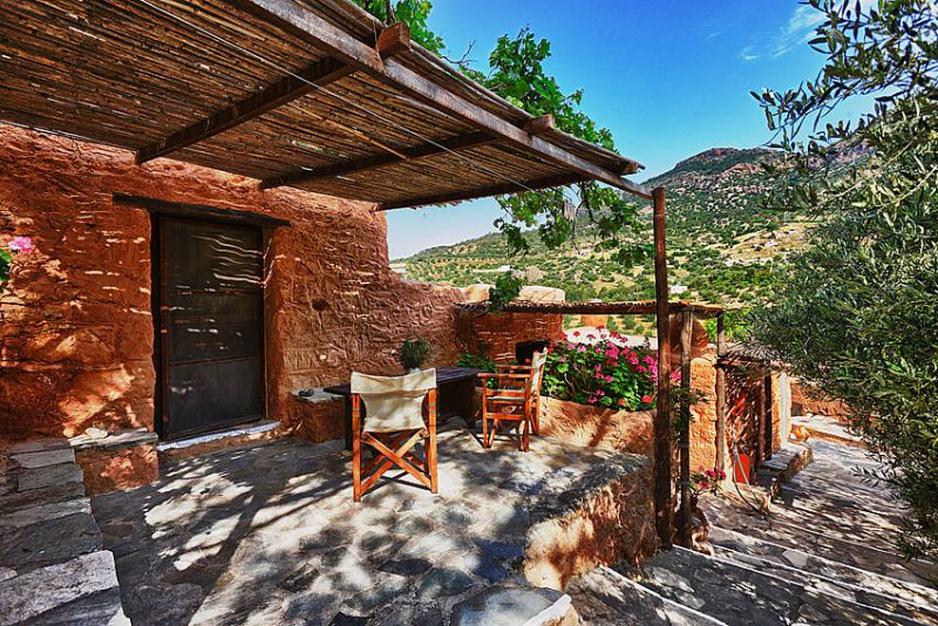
721, 395
664, 509
687, 334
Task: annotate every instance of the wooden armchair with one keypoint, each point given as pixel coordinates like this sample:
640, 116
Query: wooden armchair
514, 399
393, 424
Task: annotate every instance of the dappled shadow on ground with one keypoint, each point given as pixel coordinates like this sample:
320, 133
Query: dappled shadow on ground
270, 534
828, 509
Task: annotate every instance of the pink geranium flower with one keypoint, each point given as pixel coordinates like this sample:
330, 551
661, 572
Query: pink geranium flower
22, 245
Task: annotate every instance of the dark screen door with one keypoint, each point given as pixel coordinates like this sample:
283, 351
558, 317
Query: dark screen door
211, 326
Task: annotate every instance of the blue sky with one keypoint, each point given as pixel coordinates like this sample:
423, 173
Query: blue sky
670, 79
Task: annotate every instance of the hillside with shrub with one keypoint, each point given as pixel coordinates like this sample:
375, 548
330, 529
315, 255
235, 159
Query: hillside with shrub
723, 245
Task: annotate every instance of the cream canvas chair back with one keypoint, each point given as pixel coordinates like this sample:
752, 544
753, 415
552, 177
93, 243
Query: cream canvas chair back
538, 360
393, 403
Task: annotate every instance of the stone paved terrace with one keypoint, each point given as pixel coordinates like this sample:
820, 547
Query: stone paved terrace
270, 535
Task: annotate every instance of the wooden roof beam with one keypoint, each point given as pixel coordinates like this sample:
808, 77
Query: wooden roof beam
453, 144
307, 24
483, 192
287, 89
392, 40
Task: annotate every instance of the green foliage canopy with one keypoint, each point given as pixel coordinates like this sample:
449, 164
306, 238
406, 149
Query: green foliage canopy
858, 315
517, 74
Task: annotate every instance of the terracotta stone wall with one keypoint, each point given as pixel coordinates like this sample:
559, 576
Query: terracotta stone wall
809, 399
703, 428
497, 335
115, 470
76, 337
586, 425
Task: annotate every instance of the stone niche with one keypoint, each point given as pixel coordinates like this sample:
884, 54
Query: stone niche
77, 331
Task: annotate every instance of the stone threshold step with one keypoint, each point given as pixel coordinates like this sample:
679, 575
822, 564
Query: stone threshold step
604, 597
868, 594
813, 564
741, 595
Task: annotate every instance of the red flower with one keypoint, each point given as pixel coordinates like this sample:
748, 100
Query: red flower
576, 333
646, 399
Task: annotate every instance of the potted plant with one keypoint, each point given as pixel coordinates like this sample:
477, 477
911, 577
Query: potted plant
414, 353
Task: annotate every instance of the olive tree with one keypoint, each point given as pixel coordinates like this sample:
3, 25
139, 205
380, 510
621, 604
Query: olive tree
859, 313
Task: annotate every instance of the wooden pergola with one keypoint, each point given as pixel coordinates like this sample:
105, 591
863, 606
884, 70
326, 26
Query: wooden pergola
313, 94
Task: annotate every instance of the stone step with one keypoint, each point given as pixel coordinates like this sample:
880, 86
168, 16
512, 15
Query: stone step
862, 555
604, 597
741, 595
913, 601
806, 534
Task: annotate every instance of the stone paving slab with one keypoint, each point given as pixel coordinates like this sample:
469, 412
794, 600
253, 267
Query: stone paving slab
270, 534
604, 597
52, 568
741, 596
49, 476
32, 460
30, 595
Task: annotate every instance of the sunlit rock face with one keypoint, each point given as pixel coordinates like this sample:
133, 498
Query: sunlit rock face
77, 330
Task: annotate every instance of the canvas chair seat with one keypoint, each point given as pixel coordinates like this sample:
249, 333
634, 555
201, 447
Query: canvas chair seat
393, 403
393, 425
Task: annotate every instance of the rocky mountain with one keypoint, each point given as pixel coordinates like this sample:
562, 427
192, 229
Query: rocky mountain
723, 245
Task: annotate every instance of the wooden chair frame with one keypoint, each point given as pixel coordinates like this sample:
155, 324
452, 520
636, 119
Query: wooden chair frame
512, 391
394, 449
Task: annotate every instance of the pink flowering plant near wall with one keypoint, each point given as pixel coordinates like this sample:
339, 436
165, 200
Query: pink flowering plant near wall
603, 374
18, 246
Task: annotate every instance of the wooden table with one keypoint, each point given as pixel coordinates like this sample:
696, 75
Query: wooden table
455, 396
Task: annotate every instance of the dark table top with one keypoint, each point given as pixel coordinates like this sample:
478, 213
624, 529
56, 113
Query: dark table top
443, 375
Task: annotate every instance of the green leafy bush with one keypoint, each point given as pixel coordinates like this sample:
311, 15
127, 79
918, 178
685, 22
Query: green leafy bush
603, 374
414, 353
506, 290
476, 362
858, 314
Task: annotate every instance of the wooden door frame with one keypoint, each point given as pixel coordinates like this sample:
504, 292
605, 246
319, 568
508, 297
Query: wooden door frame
160, 210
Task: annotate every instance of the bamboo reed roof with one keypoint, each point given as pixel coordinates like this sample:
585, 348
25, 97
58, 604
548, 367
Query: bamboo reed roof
315, 94
640, 307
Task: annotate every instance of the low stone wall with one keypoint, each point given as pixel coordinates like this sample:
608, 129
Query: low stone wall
121, 461
807, 399
585, 425
611, 518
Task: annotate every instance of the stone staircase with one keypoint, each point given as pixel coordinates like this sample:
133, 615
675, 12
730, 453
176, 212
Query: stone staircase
824, 555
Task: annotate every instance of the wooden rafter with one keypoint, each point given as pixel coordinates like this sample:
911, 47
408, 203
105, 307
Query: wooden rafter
453, 144
391, 41
287, 89
483, 192
305, 23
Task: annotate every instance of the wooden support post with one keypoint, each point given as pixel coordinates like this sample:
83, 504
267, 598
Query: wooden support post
664, 508
721, 396
687, 334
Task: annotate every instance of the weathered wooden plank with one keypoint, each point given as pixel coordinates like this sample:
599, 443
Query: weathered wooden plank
664, 510
540, 125
393, 40
453, 144
289, 88
483, 192
299, 20
687, 335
